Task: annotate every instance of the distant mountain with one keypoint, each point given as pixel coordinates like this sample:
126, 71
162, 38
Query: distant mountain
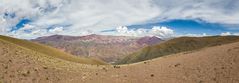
56, 38
177, 45
104, 47
149, 40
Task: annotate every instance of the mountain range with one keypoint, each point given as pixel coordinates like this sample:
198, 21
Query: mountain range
107, 48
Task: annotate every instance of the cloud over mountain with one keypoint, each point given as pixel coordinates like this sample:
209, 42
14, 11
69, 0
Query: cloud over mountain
162, 32
79, 17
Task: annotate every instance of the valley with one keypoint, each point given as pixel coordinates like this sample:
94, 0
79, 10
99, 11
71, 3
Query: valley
213, 64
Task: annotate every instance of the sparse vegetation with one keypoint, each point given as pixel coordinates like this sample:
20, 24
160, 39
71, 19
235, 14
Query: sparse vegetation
200, 81
49, 51
152, 75
177, 45
176, 65
145, 62
25, 73
45, 67
6, 67
116, 66
104, 69
10, 61
125, 76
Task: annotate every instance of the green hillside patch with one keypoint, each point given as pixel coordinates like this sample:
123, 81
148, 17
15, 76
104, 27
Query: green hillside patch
50, 51
177, 45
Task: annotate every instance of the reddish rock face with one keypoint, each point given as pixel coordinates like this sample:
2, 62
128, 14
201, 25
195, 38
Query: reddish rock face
149, 40
107, 48
57, 38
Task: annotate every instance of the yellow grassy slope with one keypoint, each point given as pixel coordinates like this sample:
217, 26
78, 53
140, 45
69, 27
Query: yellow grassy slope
49, 51
177, 45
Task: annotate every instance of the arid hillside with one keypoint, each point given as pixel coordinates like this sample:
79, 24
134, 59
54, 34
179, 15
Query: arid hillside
107, 48
46, 50
177, 45
218, 64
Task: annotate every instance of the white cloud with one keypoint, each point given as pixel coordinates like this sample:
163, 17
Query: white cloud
122, 29
162, 32
93, 16
237, 34
229, 33
28, 26
193, 35
56, 30
226, 34
28, 32
215, 11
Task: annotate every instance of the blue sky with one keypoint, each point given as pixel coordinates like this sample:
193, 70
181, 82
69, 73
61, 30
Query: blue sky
180, 26
119, 17
20, 24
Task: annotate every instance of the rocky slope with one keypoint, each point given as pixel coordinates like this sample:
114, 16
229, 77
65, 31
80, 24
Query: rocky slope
107, 48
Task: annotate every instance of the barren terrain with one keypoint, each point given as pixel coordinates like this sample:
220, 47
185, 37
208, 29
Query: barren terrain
219, 64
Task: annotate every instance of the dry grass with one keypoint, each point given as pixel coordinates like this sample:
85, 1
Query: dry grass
50, 51
177, 45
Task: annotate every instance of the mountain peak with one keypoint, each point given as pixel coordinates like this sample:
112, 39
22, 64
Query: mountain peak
57, 38
149, 40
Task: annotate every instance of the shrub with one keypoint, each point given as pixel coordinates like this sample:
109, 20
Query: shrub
116, 66
152, 75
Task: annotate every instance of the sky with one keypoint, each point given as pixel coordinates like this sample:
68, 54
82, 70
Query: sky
28, 19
